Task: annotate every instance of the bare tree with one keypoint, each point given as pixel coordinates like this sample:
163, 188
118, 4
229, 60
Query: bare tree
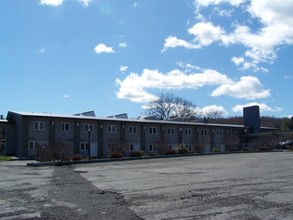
167, 106
184, 108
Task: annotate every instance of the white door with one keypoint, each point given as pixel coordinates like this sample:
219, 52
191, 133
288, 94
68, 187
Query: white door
94, 149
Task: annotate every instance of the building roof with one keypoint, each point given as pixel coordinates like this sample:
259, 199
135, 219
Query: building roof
34, 114
3, 121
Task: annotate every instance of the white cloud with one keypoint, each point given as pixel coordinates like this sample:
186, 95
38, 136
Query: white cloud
205, 33
134, 87
85, 3
134, 4
123, 45
287, 77
51, 2
205, 3
171, 42
237, 60
263, 107
214, 110
275, 19
123, 68
56, 3
248, 87
66, 96
102, 48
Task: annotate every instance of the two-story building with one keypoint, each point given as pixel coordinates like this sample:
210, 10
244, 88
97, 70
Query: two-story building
88, 134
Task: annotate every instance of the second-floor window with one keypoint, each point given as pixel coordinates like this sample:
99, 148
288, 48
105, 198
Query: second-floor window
132, 129
111, 128
39, 125
204, 132
188, 132
219, 133
88, 127
170, 131
152, 130
65, 126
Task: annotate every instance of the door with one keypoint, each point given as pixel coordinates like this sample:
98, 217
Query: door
94, 149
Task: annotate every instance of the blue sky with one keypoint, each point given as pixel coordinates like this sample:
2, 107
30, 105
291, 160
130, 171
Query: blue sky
113, 56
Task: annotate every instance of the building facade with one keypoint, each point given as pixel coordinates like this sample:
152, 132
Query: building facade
84, 135
104, 135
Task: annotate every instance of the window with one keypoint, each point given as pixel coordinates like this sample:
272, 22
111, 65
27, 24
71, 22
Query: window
111, 147
219, 133
111, 128
39, 125
170, 131
84, 146
132, 129
189, 147
204, 132
33, 145
188, 131
152, 147
129, 147
88, 127
153, 130
65, 126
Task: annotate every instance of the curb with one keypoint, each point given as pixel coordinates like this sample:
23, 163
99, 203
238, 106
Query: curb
107, 160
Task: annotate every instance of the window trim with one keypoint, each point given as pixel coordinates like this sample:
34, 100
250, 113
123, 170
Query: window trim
153, 130
111, 129
84, 146
65, 126
188, 132
38, 125
171, 131
132, 129
87, 126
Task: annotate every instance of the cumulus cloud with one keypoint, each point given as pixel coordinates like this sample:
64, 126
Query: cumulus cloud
136, 87
102, 48
123, 68
205, 33
248, 87
214, 111
123, 45
263, 107
275, 20
171, 42
51, 2
56, 3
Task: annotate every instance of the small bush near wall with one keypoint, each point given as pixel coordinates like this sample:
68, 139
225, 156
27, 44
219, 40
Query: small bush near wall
170, 152
58, 151
181, 149
76, 157
216, 149
116, 154
135, 154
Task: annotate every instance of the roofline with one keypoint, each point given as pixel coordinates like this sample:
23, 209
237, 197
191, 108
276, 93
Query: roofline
49, 115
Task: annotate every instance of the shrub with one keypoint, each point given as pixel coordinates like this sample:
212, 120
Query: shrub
181, 149
215, 149
76, 157
170, 152
136, 154
151, 154
116, 154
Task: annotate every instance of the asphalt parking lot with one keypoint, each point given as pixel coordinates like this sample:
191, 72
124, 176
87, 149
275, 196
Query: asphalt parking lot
231, 186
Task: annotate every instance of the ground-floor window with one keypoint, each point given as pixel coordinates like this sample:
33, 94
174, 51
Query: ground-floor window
33, 145
152, 147
84, 146
129, 147
111, 146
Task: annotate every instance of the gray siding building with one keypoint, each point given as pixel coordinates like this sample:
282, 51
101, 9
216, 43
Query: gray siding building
83, 135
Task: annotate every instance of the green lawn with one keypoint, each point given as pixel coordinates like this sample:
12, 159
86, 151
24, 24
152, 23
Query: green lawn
4, 158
